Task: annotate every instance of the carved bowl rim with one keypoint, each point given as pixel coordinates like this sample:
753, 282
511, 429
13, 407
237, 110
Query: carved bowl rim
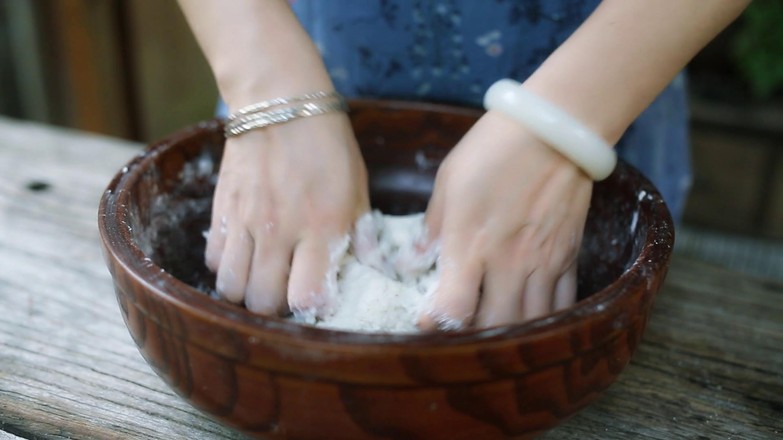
121, 250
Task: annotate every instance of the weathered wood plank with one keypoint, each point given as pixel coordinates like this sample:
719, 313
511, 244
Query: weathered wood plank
710, 365
68, 368
8, 436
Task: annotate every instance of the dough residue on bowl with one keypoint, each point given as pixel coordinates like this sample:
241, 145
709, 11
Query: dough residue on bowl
381, 277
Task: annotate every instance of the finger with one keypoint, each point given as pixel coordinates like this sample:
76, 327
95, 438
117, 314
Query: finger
417, 254
565, 289
501, 301
234, 266
433, 218
365, 240
216, 242
268, 279
453, 303
308, 284
537, 296
218, 228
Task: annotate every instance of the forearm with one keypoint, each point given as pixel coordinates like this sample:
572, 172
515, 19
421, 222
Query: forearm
257, 50
621, 58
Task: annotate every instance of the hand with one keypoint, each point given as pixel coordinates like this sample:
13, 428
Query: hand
285, 194
509, 213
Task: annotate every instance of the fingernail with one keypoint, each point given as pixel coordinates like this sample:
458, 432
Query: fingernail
449, 324
306, 315
225, 281
445, 322
316, 304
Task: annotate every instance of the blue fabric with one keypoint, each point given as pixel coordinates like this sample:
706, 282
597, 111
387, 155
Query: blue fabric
438, 50
452, 50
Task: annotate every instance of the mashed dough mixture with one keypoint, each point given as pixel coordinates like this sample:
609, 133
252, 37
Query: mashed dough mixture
381, 277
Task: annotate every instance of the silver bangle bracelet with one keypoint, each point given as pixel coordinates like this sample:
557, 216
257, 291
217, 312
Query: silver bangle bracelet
270, 112
238, 124
263, 105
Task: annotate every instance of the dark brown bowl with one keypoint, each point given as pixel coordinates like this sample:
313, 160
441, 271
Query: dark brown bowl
276, 379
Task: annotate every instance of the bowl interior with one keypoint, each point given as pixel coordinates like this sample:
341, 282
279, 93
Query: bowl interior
403, 144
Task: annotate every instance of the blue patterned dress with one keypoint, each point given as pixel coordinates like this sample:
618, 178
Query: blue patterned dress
451, 51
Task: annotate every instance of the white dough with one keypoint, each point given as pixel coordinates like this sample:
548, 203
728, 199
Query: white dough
383, 278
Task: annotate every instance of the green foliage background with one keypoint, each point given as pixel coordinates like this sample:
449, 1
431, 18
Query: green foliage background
757, 47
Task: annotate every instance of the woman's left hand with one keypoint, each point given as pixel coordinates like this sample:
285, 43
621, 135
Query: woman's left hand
509, 213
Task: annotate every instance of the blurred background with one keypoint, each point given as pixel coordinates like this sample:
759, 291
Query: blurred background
132, 69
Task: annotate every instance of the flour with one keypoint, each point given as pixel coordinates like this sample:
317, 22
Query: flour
381, 279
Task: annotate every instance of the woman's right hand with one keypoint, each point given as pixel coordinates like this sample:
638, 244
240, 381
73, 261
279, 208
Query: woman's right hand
286, 192
285, 195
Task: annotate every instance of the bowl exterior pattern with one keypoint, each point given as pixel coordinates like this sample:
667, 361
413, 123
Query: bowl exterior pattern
273, 379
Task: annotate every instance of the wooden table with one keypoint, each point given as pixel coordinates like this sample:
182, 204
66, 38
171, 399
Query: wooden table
710, 365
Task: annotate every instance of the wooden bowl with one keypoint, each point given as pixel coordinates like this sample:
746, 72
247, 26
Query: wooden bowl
272, 378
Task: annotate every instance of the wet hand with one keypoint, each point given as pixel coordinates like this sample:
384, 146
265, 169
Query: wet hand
285, 194
509, 213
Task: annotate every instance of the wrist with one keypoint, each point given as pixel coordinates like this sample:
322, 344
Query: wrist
257, 50
557, 128
281, 110
598, 112
251, 69
242, 85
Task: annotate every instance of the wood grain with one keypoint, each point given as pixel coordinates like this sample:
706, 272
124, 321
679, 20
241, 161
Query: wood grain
174, 85
84, 66
8, 436
68, 368
710, 365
